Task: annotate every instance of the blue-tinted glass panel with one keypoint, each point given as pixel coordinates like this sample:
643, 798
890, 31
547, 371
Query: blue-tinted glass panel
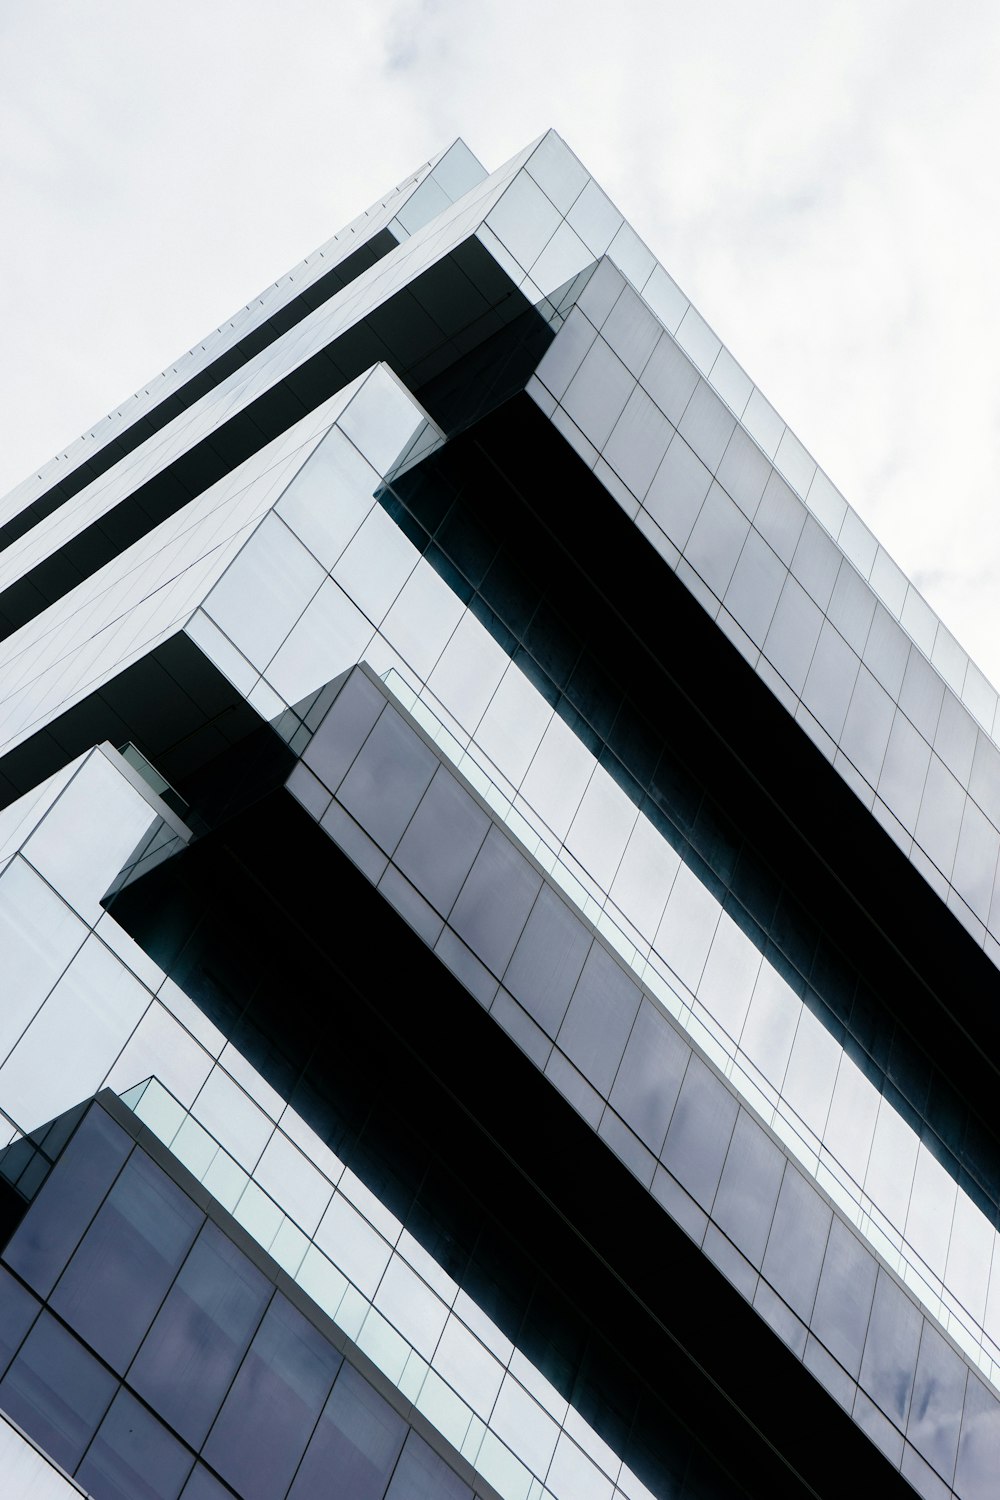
56, 1391
50, 1230
120, 1272
133, 1456
421, 1475
17, 1313
938, 1396
358, 1439
268, 1416
204, 1486
201, 1333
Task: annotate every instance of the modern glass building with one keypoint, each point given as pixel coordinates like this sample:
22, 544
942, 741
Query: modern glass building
497, 912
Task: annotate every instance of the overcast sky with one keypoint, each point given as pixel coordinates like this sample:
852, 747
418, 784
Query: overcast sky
820, 176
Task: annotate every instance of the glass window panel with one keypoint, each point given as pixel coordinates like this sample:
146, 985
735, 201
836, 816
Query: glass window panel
743, 471
780, 518
525, 1426
422, 619
649, 1077
547, 960
936, 1407
468, 1367
976, 860
353, 1244
886, 651
598, 392
797, 1242
695, 335
200, 1335
56, 1391
921, 695
748, 1189
133, 1457
557, 171
493, 905
513, 725
670, 379
665, 298
689, 922
984, 783
56, 1220
890, 1357
421, 1475
330, 636
850, 1125
831, 680
979, 1446
344, 729
867, 727
376, 564
844, 1298
640, 438
204, 1486
265, 589
564, 355
599, 1018
602, 827
469, 672
357, 1438
442, 840
677, 491
852, 606
812, 1071
120, 1272
794, 631
381, 418
955, 739
631, 330
970, 1251
700, 1131
558, 776
904, 770
329, 497
730, 975
411, 1306
389, 776
891, 1164
38, 936
940, 818
595, 218
816, 562
18, 1310
707, 424
524, 220
261, 1432
290, 1178
66, 1053
932, 1206
771, 1023
752, 595
716, 540
644, 877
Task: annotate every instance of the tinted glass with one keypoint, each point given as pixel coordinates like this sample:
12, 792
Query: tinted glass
358, 1439
56, 1391
192, 1351
269, 1414
118, 1276
134, 1457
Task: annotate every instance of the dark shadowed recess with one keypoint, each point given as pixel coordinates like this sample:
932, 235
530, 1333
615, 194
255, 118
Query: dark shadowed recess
348, 1014
523, 532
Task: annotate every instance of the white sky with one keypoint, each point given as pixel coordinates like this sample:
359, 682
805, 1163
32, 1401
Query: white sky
820, 176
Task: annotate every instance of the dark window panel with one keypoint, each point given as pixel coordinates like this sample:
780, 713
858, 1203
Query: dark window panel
421, 1475
547, 961
699, 1133
56, 1391
357, 1439
18, 1310
52, 1227
201, 1333
270, 1412
120, 1272
133, 1456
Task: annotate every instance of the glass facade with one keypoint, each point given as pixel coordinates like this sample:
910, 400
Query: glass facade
513, 1018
